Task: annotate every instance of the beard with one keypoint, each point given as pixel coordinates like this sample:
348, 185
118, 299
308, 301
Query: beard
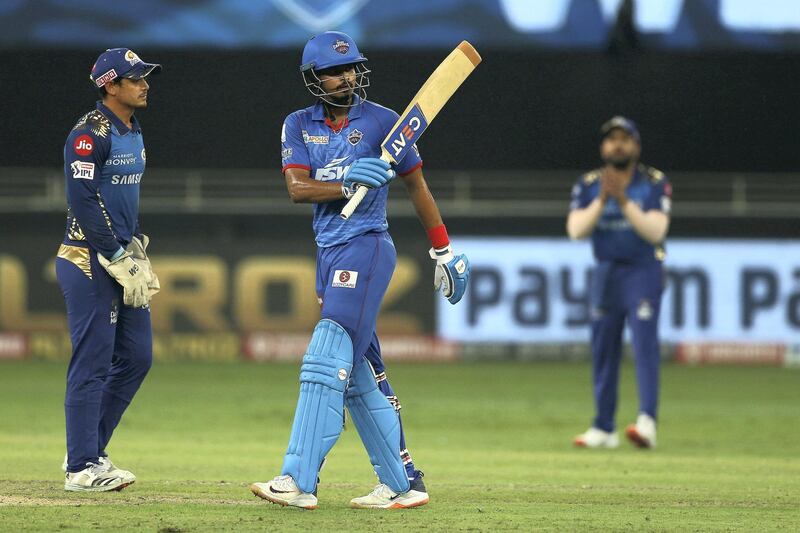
343, 99
620, 162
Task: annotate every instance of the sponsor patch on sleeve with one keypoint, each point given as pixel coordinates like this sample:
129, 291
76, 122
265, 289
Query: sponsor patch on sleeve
83, 145
345, 279
82, 170
105, 78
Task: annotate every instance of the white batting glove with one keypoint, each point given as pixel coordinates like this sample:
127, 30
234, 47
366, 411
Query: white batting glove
133, 278
138, 250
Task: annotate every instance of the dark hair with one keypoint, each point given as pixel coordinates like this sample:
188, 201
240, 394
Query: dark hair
102, 90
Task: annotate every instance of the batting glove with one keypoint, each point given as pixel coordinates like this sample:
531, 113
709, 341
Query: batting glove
371, 172
130, 274
138, 250
451, 274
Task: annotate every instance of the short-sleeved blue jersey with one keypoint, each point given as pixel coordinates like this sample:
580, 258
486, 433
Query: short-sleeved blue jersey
311, 142
614, 239
104, 162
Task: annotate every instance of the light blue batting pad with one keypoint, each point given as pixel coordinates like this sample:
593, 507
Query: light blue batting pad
319, 416
378, 425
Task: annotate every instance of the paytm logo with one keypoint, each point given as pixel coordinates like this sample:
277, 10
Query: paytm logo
402, 138
333, 171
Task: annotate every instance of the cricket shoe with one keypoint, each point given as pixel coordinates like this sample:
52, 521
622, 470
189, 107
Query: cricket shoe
382, 497
643, 432
94, 478
596, 438
284, 491
106, 462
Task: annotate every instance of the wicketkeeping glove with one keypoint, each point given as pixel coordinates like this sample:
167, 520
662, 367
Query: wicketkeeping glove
451, 274
138, 250
133, 278
371, 172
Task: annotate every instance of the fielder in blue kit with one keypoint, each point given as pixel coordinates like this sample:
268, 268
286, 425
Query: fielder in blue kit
103, 270
625, 207
328, 150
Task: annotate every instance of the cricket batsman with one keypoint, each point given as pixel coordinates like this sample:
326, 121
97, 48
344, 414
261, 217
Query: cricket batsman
328, 150
625, 208
103, 270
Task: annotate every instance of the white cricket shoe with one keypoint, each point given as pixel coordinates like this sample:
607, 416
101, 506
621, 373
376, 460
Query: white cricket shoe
596, 438
643, 432
284, 491
106, 462
382, 497
94, 478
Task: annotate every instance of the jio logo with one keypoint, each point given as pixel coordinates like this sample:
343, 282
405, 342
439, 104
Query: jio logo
83, 145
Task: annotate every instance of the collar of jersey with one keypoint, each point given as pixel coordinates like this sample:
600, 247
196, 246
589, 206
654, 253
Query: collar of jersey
115, 120
318, 113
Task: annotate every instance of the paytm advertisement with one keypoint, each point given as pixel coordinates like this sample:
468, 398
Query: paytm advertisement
536, 290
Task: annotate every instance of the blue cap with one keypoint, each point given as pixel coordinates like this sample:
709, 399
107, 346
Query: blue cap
120, 63
621, 123
330, 49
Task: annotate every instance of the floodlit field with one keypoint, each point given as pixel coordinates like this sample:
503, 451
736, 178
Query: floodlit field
493, 439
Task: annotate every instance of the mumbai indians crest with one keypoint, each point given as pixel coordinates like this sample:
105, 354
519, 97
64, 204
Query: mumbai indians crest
131, 57
354, 137
341, 46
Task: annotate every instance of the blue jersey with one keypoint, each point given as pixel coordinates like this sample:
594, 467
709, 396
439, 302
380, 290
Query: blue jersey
104, 163
311, 142
614, 239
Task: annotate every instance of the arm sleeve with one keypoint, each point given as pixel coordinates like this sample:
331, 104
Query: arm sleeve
84, 156
294, 153
580, 197
660, 197
413, 160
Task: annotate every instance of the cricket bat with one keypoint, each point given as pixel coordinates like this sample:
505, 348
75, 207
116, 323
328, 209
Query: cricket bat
424, 107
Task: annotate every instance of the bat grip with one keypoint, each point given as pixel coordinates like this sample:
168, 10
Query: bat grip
361, 192
352, 204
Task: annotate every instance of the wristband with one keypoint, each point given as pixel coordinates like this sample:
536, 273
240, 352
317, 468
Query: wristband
438, 237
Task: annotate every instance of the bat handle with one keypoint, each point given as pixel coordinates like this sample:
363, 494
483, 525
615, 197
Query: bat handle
352, 204
361, 192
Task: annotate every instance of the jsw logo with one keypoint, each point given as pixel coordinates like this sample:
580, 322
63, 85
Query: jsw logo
405, 134
331, 171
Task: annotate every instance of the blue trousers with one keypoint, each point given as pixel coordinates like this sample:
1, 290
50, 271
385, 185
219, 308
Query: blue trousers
625, 292
370, 260
112, 351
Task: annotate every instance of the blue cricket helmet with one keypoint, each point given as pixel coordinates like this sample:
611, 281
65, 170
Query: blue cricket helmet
333, 49
330, 49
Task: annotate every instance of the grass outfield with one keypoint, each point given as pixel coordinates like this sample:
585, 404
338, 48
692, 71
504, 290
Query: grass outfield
493, 439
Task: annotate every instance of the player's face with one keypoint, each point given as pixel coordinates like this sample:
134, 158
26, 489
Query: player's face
132, 93
619, 149
338, 82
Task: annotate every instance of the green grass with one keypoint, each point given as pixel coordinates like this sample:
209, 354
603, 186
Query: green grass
493, 439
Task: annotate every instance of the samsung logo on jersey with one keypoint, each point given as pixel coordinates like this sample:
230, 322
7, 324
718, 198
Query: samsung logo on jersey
127, 179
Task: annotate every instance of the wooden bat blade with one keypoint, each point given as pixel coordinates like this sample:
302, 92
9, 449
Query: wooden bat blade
424, 107
430, 99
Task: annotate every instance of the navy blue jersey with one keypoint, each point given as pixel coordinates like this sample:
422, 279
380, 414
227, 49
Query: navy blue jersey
104, 162
614, 238
309, 141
